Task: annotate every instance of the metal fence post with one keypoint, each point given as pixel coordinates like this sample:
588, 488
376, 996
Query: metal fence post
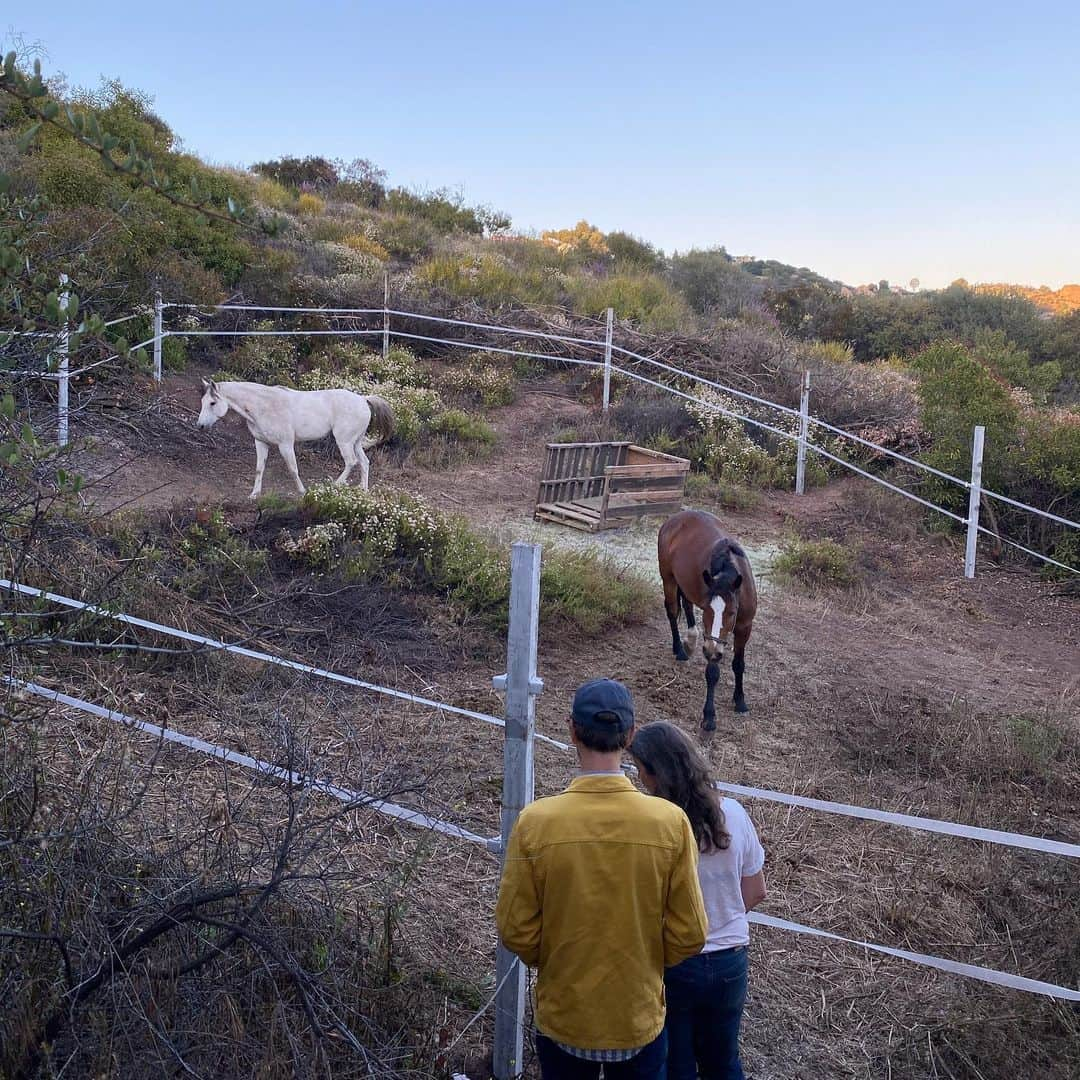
607, 357
522, 686
386, 316
804, 429
974, 498
157, 337
63, 348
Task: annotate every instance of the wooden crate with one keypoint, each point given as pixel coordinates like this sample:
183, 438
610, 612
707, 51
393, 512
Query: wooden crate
594, 486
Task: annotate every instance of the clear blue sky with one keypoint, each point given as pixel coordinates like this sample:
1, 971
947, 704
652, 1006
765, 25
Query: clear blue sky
866, 140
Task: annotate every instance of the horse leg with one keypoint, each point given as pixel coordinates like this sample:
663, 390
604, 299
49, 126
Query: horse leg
671, 606
261, 450
348, 455
691, 639
738, 666
362, 460
712, 677
288, 455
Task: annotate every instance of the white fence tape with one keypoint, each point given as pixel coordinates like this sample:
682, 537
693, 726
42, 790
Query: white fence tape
425, 821
345, 795
415, 817
267, 658
954, 967
910, 821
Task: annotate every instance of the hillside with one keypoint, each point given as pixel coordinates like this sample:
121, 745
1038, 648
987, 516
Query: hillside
1061, 301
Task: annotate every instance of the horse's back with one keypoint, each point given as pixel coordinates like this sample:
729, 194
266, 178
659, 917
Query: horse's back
690, 527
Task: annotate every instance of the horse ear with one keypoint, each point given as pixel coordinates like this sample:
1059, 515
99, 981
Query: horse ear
738, 583
707, 575
206, 385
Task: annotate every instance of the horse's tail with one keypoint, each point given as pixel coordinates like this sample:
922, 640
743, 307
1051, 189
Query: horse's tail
382, 417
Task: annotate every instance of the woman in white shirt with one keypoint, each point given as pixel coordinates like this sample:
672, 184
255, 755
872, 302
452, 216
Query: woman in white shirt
705, 994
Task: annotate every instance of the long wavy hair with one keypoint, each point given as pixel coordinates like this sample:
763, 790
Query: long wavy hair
682, 777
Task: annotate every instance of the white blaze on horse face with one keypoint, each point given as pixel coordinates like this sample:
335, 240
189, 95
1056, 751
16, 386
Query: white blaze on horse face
712, 617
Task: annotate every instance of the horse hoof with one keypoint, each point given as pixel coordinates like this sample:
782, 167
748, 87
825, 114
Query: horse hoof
741, 707
708, 724
682, 658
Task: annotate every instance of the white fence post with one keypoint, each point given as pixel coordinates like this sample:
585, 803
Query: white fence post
386, 316
804, 429
974, 498
522, 686
607, 357
157, 337
62, 382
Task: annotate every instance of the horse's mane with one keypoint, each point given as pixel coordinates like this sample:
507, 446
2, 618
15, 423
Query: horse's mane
723, 570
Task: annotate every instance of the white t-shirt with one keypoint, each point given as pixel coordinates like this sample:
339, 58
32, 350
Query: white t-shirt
721, 874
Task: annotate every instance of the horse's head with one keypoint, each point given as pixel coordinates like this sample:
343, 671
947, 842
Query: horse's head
214, 405
722, 580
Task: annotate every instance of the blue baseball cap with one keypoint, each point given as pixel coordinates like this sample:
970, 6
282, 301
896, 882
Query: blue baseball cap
604, 704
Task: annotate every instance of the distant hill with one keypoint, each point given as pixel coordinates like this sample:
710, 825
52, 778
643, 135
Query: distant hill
1059, 301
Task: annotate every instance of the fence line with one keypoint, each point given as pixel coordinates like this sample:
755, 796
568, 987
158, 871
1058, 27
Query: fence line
1031, 509
891, 453
906, 821
973, 526
425, 821
264, 657
1027, 551
910, 821
190, 742
954, 967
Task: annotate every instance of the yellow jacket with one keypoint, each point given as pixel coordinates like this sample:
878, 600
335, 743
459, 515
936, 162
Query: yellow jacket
600, 893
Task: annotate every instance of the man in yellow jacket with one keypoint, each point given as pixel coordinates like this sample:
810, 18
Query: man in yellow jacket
600, 893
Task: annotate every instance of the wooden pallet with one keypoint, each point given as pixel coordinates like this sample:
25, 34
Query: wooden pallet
595, 486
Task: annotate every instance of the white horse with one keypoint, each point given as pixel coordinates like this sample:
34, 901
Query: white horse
277, 416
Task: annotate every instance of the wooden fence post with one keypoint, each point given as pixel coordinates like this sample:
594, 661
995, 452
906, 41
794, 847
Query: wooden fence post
607, 357
63, 349
157, 337
974, 498
804, 428
522, 686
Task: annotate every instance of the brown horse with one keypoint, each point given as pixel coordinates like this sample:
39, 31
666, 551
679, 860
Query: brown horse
702, 567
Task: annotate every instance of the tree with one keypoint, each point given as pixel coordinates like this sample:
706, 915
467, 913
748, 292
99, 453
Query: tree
714, 284
301, 174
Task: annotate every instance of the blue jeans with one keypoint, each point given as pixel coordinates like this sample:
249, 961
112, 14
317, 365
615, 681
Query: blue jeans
705, 997
650, 1063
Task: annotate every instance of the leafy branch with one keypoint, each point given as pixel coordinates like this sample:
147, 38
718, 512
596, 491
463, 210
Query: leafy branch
84, 127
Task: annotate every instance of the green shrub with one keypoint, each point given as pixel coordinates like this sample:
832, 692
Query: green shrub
406, 237
445, 212
1038, 742
350, 358
414, 407
699, 486
264, 359
632, 253
644, 299
459, 427
384, 532
490, 277
591, 592
328, 230
215, 557
480, 381
736, 453
817, 562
